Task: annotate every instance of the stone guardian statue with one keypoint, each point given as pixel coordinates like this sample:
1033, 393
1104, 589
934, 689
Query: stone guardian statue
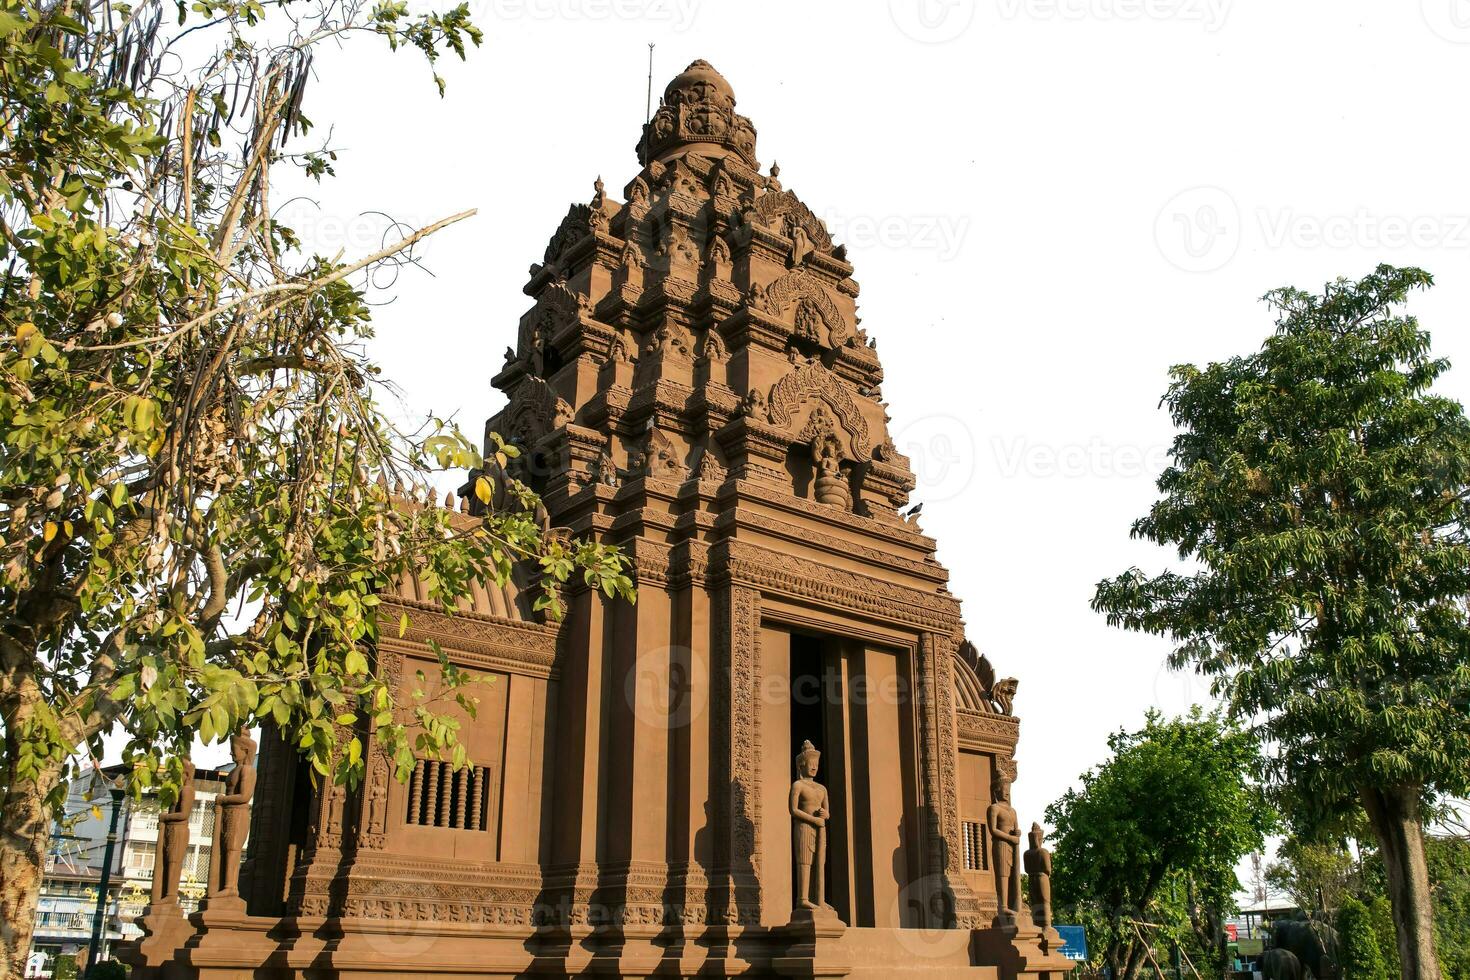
1005, 836
1038, 879
173, 840
809, 816
234, 813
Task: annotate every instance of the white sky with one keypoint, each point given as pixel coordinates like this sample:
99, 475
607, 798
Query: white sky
1047, 204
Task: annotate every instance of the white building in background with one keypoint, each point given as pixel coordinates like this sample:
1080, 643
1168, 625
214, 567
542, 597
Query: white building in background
68, 901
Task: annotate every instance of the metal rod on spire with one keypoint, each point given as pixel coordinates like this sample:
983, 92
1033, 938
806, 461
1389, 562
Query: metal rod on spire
648, 98
648, 104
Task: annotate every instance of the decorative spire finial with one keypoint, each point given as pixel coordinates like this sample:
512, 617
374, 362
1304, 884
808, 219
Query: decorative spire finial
698, 107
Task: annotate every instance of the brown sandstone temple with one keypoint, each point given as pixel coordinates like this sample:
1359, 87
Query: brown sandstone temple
691, 384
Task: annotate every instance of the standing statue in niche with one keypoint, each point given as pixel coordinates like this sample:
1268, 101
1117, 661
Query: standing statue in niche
234, 813
378, 805
809, 830
173, 840
1005, 835
1038, 879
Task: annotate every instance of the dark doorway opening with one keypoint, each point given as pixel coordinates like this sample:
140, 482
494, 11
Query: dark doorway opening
817, 716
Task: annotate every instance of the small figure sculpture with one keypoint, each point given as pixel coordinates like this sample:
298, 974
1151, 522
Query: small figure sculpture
1005, 834
801, 243
605, 471
173, 840
755, 297
754, 405
809, 830
336, 802
377, 806
234, 813
1038, 879
829, 487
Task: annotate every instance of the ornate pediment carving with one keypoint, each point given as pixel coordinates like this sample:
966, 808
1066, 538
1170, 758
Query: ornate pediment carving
812, 380
814, 315
534, 410
557, 305
778, 207
573, 228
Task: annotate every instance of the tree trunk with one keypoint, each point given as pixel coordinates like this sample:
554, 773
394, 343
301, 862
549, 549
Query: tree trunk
24, 831
1396, 821
1136, 951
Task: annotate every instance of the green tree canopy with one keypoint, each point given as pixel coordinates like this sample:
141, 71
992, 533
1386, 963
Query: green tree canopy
1154, 835
1318, 487
200, 498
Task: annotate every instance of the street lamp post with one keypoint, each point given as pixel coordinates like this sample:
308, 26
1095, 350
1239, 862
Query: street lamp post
99, 917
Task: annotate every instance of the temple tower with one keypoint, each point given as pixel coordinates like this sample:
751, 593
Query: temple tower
691, 383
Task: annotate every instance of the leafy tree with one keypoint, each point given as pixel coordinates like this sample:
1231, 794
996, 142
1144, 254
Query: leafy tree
195, 507
1319, 486
1449, 876
1154, 835
1361, 957
1317, 876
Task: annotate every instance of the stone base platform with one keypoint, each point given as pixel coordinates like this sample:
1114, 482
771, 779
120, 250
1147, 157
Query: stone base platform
227, 945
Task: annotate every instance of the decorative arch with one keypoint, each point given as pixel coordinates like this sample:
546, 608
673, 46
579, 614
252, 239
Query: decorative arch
778, 204
534, 410
803, 290
556, 305
813, 380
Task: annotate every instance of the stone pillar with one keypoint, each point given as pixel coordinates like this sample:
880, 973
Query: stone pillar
950, 900
738, 677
